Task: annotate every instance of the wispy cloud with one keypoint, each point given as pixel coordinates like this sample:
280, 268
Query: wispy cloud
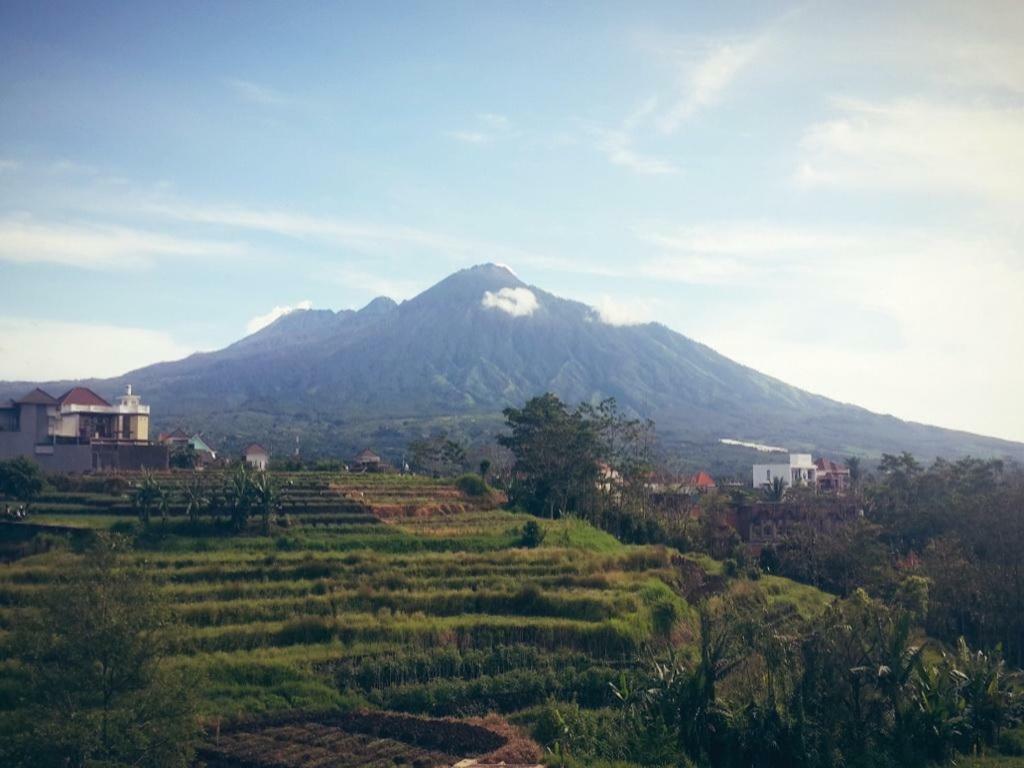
371, 285
470, 137
917, 144
706, 70
46, 349
262, 321
486, 128
705, 78
255, 92
28, 241
617, 146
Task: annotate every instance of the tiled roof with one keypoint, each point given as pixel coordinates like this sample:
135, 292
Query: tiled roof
703, 480
255, 448
827, 465
82, 396
37, 397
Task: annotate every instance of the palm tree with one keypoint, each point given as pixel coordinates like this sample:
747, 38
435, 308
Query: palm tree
853, 464
146, 495
240, 496
196, 499
267, 496
776, 490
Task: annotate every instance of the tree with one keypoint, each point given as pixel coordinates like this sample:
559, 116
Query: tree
183, 457
239, 496
437, 456
533, 535
196, 497
266, 494
21, 479
94, 691
557, 454
853, 464
776, 490
147, 495
485, 467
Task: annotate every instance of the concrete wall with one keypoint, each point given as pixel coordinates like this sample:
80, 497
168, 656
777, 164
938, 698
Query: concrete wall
764, 474
129, 457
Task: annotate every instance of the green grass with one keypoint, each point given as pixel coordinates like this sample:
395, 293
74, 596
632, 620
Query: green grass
573, 533
808, 601
392, 592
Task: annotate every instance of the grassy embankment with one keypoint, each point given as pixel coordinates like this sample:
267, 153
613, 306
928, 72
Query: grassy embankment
391, 592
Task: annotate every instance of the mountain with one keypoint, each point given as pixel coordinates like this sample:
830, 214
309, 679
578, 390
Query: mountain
452, 357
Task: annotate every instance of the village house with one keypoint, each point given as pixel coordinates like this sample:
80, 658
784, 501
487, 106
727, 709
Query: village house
702, 482
367, 461
832, 477
799, 471
181, 440
80, 432
256, 456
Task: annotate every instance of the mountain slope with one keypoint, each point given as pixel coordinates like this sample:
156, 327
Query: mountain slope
481, 340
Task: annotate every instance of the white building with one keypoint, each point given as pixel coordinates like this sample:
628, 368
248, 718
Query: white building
801, 470
256, 456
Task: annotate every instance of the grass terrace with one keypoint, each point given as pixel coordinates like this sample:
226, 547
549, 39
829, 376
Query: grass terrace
386, 592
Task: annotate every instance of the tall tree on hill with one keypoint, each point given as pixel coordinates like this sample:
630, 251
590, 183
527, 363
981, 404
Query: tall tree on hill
557, 453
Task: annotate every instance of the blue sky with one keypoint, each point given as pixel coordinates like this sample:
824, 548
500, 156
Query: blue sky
829, 192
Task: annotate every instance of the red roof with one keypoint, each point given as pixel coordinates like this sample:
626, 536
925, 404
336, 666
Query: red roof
82, 396
703, 480
827, 465
37, 397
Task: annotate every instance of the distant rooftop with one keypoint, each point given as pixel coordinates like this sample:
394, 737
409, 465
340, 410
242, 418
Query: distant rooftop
37, 397
82, 396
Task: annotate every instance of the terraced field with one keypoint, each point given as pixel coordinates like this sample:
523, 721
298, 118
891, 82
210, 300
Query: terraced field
385, 592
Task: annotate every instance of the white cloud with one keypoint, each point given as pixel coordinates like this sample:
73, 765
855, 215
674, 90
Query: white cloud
518, 302
368, 238
617, 146
470, 137
736, 252
489, 127
707, 78
25, 240
262, 321
493, 120
255, 92
46, 349
7, 164
372, 285
617, 311
917, 144
910, 322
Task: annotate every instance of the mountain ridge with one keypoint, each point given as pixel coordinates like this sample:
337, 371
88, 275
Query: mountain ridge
477, 341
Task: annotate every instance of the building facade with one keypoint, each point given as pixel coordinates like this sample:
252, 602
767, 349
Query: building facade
800, 470
79, 432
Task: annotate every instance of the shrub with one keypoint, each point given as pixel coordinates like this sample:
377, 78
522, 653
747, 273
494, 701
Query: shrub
533, 535
472, 485
1011, 742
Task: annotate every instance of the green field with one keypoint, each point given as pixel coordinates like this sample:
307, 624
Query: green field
391, 593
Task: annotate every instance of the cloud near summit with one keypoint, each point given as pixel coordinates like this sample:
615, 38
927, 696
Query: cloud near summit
518, 302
